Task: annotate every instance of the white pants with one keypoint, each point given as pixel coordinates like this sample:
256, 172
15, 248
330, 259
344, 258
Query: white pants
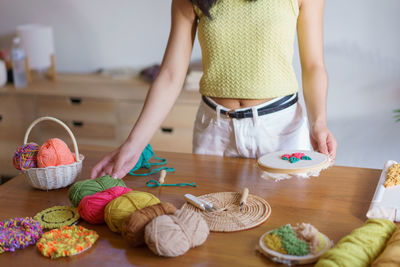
216, 134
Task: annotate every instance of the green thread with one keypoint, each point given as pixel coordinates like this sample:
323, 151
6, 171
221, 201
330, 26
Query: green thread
293, 159
144, 162
155, 183
290, 242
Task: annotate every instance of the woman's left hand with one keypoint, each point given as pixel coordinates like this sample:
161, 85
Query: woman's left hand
323, 140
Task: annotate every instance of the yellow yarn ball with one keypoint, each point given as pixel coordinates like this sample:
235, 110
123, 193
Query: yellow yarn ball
120, 208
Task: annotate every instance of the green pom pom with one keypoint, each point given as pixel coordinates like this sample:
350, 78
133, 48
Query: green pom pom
293, 159
305, 158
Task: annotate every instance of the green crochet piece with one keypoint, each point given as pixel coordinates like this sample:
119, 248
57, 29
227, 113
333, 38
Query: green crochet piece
290, 242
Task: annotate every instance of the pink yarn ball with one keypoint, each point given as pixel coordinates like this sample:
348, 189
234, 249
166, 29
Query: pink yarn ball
54, 152
25, 157
91, 208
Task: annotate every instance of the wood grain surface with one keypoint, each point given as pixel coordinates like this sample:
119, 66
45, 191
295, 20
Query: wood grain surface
335, 202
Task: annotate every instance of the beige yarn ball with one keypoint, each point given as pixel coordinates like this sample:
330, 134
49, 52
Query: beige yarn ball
173, 235
120, 208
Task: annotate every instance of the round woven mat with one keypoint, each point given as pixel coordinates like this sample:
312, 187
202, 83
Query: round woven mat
228, 217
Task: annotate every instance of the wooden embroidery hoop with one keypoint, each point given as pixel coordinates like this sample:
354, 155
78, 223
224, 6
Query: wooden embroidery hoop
291, 259
272, 162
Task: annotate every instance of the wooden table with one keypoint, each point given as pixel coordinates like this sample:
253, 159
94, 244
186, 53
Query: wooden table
336, 202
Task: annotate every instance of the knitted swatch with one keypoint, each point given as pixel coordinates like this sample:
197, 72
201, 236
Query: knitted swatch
57, 216
66, 241
18, 233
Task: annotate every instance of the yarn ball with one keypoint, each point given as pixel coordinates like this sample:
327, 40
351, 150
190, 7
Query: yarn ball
91, 208
84, 188
25, 157
361, 247
390, 256
54, 153
133, 226
174, 235
120, 208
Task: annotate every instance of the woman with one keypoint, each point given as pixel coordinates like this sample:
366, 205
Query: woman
249, 87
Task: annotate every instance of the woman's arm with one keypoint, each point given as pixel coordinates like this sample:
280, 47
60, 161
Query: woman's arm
315, 81
161, 96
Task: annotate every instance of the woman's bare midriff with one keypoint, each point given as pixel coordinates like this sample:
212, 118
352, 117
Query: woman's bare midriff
234, 103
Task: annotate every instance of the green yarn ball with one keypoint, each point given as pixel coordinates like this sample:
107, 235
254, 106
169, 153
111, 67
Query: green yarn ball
84, 188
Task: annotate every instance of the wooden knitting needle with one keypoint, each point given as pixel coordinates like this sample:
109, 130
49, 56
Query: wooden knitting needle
243, 199
163, 173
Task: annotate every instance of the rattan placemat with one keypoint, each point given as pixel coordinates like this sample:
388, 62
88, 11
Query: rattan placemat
228, 217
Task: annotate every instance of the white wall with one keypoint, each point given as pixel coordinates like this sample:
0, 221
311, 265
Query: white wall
92, 34
362, 44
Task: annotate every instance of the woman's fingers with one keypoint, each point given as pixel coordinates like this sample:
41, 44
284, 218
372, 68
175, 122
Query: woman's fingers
322, 147
332, 146
98, 169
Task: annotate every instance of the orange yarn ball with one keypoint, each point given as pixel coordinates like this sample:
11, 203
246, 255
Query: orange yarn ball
54, 152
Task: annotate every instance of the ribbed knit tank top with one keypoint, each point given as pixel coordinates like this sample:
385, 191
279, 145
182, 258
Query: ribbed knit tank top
247, 48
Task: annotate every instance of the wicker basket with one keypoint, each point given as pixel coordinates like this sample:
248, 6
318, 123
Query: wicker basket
54, 177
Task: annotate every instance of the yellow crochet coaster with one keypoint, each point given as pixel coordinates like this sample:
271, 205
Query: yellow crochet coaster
66, 241
57, 216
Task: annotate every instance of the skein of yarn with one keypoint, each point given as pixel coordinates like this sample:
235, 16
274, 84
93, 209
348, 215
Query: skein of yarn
132, 228
54, 152
91, 208
390, 256
120, 208
25, 157
174, 235
361, 247
88, 187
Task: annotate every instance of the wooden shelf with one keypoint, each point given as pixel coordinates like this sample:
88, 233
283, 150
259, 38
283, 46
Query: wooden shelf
99, 110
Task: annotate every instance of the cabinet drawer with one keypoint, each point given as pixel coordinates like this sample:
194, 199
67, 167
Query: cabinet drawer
84, 132
128, 112
177, 140
8, 147
77, 108
16, 110
182, 116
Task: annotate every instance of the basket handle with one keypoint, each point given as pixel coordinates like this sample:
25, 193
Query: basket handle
59, 122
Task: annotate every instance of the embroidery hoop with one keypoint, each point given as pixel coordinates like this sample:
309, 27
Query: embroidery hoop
228, 217
291, 259
276, 168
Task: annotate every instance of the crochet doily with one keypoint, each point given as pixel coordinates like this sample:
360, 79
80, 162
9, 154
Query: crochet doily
66, 241
57, 216
227, 217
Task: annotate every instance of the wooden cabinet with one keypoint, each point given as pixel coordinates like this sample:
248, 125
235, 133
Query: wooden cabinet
100, 111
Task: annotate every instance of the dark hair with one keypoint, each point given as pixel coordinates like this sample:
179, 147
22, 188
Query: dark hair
205, 5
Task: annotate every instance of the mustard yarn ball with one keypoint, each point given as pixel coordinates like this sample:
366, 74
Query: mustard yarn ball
122, 207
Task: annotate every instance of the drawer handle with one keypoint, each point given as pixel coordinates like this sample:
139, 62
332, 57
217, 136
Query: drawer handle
1, 117
77, 123
75, 100
167, 129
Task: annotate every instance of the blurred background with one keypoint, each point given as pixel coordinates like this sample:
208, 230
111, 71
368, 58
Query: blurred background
362, 44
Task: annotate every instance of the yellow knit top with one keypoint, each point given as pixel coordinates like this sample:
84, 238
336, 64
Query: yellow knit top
247, 48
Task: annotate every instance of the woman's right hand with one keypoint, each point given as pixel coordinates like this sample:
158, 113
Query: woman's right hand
117, 163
